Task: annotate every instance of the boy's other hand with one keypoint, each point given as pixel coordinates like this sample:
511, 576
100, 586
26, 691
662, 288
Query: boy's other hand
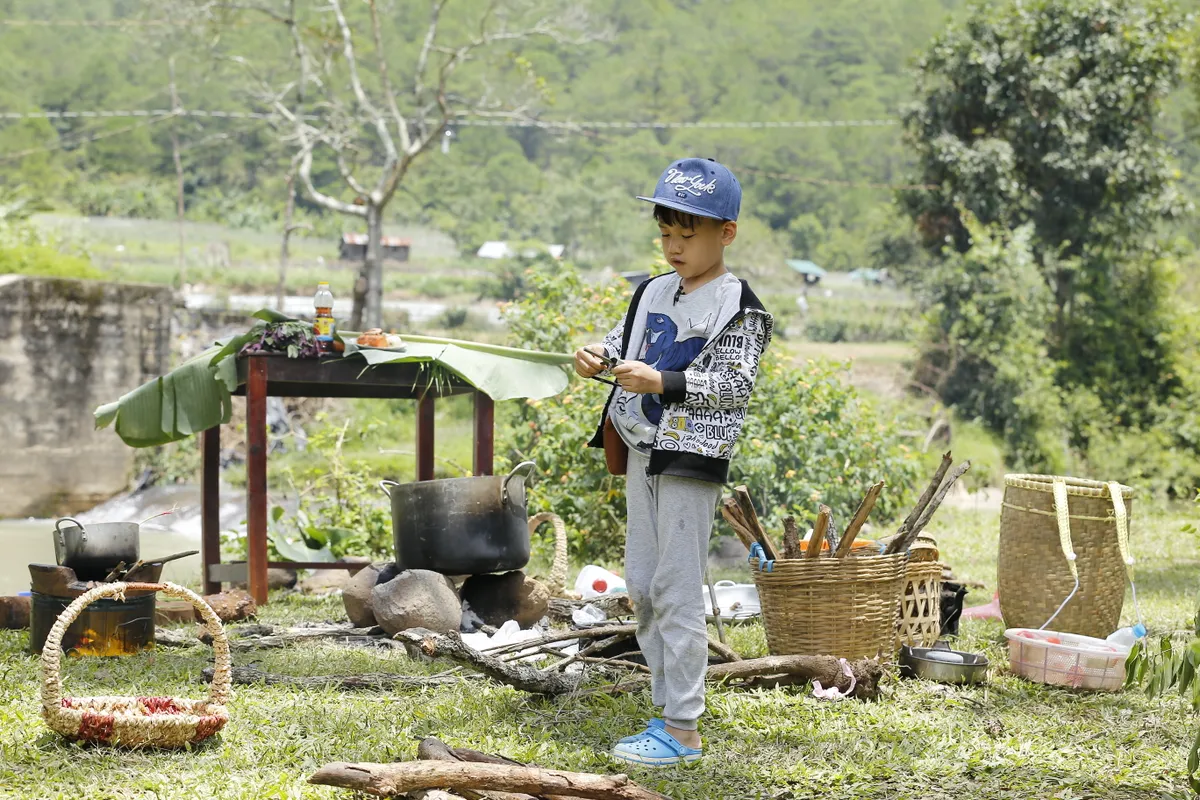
638, 377
586, 363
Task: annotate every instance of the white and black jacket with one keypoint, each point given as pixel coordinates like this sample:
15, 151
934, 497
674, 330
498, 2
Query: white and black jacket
704, 405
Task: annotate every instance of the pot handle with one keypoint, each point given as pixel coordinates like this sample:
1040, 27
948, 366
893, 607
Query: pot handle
58, 529
385, 484
523, 469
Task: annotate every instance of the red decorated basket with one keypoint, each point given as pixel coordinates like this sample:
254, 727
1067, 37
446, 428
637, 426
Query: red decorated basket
135, 721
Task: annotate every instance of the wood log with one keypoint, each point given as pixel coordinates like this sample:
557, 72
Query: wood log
614, 605
775, 670
250, 676
772, 671
433, 749
791, 539
746, 506
522, 676
902, 543
733, 515
859, 518
818, 535
393, 780
926, 495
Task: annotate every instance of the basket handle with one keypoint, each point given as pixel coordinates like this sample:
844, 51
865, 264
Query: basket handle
1062, 512
52, 691
1118, 501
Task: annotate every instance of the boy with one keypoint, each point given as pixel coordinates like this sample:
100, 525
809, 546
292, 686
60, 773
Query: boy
693, 338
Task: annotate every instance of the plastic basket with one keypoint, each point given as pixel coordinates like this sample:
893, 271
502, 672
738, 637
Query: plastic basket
1066, 659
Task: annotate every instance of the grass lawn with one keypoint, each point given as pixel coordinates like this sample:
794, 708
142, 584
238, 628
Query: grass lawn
1009, 739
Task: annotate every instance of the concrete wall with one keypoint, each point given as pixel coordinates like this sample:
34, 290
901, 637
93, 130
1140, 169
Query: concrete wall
67, 346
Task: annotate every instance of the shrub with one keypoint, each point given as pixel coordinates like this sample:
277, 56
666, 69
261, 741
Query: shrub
45, 261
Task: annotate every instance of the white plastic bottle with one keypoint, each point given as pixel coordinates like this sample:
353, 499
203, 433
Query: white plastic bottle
1127, 637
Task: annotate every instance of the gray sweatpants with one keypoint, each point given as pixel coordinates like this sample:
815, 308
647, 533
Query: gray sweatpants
666, 552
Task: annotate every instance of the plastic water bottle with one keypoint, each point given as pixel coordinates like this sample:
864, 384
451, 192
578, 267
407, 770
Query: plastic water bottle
1127, 637
323, 324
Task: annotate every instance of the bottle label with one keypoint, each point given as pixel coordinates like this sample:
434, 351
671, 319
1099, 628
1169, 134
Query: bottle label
324, 327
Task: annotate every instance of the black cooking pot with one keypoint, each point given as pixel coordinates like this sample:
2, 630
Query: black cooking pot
461, 526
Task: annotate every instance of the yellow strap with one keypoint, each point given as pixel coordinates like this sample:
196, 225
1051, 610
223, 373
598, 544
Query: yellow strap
1114, 489
1064, 525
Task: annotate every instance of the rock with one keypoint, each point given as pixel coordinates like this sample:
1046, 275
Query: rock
323, 581
14, 612
364, 560
277, 578
236, 604
169, 610
513, 595
356, 597
416, 598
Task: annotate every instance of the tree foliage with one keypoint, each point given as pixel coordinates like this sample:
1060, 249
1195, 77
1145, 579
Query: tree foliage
1050, 301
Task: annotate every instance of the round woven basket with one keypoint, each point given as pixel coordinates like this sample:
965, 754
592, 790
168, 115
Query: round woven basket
845, 607
1035, 574
920, 605
135, 721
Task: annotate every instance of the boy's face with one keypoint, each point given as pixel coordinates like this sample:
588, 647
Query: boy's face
694, 251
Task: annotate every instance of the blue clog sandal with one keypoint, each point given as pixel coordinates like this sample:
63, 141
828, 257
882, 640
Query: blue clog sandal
655, 747
654, 723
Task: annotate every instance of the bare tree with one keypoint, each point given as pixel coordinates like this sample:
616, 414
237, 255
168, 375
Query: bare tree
373, 129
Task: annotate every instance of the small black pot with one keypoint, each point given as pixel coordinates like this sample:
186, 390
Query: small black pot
461, 526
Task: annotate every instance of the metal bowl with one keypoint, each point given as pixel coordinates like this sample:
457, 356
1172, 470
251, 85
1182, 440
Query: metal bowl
934, 664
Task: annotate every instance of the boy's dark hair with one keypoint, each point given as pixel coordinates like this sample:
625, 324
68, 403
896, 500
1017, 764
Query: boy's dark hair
669, 216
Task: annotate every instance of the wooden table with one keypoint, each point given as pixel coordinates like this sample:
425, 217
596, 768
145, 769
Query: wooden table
263, 376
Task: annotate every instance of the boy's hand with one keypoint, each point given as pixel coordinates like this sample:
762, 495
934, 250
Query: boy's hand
638, 377
587, 365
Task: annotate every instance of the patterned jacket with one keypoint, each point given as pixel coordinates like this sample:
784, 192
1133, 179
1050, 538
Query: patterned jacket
704, 405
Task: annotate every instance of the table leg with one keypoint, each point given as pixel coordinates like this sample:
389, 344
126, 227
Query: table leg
210, 506
485, 422
425, 438
256, 476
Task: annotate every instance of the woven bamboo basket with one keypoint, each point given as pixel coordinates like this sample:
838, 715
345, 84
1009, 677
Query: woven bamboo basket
135, 721
920, 605
1052, 529
845, 607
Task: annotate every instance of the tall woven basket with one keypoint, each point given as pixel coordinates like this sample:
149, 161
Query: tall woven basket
845, 607
135, 721
1045, 519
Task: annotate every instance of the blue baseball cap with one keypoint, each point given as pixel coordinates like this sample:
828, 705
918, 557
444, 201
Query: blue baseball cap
699, 186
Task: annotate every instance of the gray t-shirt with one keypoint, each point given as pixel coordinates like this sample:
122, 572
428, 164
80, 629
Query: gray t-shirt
677, 328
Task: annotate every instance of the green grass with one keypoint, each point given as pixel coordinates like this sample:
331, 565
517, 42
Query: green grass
1008, 739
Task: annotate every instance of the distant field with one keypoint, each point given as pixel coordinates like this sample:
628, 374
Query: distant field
881, 368
219, 259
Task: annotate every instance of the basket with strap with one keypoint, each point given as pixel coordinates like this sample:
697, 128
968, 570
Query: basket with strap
135, 721
845, 607
1056, 532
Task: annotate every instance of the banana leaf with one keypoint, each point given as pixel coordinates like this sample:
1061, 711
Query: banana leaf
196, 395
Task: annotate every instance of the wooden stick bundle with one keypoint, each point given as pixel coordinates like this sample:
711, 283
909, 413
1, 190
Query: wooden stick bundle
923, 513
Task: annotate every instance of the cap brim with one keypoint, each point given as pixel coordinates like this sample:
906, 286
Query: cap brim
679, 205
